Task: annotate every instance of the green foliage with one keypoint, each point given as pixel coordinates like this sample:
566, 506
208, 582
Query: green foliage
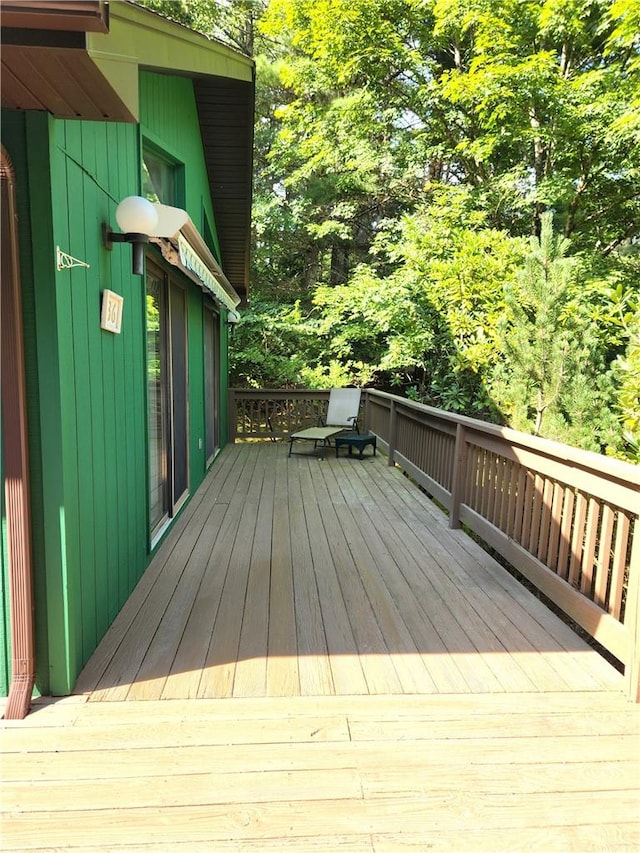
626, 370
429, 327
560, 332
408, 155
541, 324
269, 346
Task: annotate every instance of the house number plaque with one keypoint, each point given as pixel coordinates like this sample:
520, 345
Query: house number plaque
111, 316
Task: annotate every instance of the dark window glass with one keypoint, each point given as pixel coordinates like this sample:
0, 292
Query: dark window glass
158, 179
168, 396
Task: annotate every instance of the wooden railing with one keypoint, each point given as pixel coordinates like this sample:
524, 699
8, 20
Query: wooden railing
565, 518
273, 413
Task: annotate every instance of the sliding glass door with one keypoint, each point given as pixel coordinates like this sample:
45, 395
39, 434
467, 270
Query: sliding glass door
167, 396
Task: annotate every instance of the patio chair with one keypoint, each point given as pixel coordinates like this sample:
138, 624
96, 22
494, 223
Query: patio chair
342, 414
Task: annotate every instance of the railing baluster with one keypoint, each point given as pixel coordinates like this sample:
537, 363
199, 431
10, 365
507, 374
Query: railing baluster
577, 540
565, 532
619, 562
527, 510
545, 521
554, 531
589, 554
520, 504
604, 556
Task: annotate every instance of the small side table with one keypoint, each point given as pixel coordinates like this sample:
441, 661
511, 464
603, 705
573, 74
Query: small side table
357, 440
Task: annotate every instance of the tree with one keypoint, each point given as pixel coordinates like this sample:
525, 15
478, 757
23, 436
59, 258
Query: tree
233, 23
546, 335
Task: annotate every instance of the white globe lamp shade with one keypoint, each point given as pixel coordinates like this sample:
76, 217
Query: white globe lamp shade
136, 215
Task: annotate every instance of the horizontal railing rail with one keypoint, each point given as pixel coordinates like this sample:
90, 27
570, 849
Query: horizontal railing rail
565, 518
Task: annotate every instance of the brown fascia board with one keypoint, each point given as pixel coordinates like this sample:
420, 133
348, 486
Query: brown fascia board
71, 16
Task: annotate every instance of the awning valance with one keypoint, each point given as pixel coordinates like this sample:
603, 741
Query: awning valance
188, 251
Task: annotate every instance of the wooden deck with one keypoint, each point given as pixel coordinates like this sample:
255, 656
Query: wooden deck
319, 576
289, 592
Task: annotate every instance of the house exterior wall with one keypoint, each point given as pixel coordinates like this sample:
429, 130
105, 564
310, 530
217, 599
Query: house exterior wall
169, 125
169, 121
87, 393
102, 384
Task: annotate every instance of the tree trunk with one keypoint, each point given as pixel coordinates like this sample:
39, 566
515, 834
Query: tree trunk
339, 264
540, 408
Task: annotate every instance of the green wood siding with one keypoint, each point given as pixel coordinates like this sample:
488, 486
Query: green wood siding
102, 388
169, 120
86, 392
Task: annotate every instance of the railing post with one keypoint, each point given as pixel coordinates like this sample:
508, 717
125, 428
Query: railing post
232, 416
458, 476
365, 426
392, 434
632, 620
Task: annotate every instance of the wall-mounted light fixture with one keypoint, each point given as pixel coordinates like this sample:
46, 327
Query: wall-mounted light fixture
233, 318
140, 219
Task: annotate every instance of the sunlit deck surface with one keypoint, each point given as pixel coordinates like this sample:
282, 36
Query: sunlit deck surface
314, 661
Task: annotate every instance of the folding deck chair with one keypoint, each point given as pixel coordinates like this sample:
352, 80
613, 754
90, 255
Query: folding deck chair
342, 413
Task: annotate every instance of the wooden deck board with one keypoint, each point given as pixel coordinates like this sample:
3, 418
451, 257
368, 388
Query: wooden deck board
377, 664
313, 653
251, 666
220, 665
389, 616
283, 678
190, 658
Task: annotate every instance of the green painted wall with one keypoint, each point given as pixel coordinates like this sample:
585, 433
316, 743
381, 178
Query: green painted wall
195, 324
102, 383
169, 120
224, 378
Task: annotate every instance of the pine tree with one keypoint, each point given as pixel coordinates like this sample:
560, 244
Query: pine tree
541, 338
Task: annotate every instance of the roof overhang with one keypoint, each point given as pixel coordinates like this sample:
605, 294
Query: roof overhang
45, 63
59, 57
141, 39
